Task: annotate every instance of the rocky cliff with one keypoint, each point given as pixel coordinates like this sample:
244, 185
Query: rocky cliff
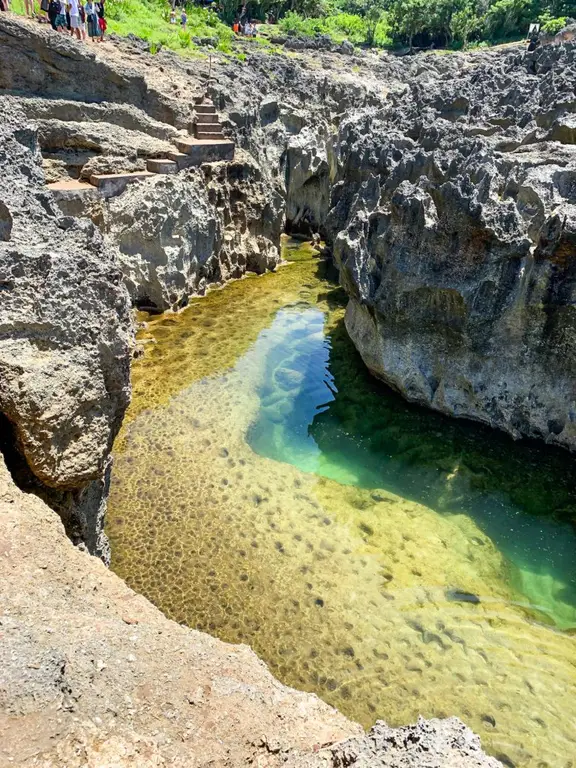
91, 672
453, 221
65, 336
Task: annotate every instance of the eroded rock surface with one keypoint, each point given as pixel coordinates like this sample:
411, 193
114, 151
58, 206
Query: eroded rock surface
427, 744
176, 235
65, 336
454, 222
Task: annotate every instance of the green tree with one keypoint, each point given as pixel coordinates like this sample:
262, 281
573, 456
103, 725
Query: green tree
373, 17
506, 18
409, 18
463, 24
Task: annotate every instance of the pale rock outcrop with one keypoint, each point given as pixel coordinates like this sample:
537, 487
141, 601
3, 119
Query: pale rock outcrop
38, 62
453, 221
65, 336
176, 235
307, 181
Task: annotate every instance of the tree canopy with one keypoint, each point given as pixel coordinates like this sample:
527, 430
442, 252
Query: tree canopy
422, 23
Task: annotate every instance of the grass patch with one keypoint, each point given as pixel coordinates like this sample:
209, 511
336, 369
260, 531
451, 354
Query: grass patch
150, 21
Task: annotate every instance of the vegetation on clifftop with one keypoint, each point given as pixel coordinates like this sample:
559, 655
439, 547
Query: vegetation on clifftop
373, 23
425, 23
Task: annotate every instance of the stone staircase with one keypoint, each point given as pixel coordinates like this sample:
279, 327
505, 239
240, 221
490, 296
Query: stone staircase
208, 146
208, 125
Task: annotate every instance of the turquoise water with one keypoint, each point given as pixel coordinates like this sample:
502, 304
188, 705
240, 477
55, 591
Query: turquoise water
321, 412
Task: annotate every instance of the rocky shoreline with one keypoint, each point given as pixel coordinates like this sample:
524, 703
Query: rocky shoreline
378, 161
454, 223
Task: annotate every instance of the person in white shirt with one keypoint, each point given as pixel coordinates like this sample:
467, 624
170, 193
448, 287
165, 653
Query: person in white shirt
75, 23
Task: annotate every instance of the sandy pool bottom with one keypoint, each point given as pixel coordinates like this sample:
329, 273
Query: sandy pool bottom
379, 604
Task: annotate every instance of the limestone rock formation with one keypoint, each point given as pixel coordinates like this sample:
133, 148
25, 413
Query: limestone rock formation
175, 235
427, 744
454, 223
35, 61
65, 337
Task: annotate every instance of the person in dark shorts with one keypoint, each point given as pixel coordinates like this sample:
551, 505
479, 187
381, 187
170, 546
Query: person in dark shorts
53, 10
60, 22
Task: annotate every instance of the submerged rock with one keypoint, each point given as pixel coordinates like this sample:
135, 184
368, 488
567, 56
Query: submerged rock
454, 224
108, 680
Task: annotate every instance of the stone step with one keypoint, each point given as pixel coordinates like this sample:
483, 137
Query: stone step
72, 196
70, 185
205, 109
112, 184
208, 117
161, 165
198, 151
215, 126
209, 135
182, 160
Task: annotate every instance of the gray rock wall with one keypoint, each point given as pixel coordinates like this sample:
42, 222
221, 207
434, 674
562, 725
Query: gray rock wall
65, 338
453, 221
176, 235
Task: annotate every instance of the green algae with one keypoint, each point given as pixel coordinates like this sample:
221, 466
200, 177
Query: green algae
383, 605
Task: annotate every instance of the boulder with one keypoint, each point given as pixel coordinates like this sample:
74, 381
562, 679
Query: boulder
453, 220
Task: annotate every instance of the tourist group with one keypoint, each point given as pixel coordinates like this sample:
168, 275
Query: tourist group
245, 27
70, 16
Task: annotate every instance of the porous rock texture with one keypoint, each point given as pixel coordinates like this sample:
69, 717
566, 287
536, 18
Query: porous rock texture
91, 674
426, 744
453, 221
65, 337
176, 235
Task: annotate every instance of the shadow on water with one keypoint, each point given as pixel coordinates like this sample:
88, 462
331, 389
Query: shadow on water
323, 412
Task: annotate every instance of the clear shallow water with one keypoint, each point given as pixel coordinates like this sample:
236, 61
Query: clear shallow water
299, 422
267, 490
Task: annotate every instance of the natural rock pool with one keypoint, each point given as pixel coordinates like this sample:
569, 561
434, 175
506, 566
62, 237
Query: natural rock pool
267, 490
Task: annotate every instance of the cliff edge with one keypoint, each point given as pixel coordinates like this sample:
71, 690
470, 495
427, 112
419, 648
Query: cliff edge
453, 219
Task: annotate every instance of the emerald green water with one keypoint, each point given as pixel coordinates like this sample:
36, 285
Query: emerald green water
268, 490
322, 413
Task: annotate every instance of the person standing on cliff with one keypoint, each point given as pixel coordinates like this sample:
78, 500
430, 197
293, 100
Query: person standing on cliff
44, 11
60, 22
92, 19
100, 12
74, 12
53, 10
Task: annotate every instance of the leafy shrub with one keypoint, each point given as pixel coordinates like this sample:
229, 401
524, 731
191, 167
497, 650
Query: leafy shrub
340, 26
552, 25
